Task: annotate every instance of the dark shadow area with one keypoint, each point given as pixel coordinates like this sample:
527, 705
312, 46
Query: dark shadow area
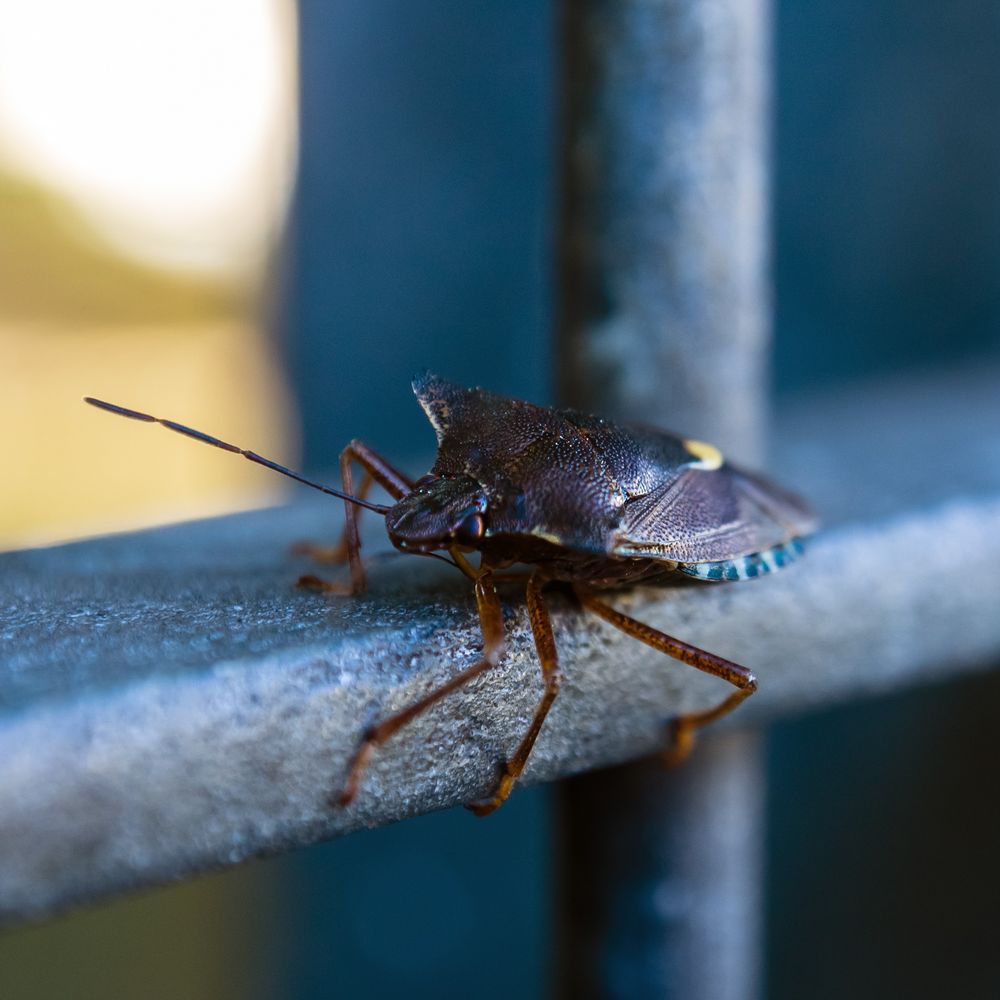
443, 906
886, 186
884, 825
419, 233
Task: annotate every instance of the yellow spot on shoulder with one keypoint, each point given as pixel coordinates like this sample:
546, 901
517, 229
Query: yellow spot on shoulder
708, 456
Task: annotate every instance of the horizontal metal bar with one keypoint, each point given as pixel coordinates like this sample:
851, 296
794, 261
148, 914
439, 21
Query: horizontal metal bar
170, 703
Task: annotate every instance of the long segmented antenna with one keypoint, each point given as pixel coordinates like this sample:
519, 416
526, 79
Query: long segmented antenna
225, 446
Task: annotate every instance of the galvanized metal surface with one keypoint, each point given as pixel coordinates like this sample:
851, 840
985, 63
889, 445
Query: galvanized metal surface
170, 703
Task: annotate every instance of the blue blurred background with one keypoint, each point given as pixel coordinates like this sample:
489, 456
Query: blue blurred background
423, 221
420, 235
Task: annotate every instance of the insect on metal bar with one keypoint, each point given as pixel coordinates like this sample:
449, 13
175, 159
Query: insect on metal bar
588, 503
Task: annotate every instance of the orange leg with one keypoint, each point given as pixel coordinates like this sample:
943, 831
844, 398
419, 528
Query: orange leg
377, 470
491, 621
683, 727
334, 555
541, 627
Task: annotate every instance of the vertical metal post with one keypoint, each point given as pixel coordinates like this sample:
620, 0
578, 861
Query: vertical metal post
664, 319
664, 309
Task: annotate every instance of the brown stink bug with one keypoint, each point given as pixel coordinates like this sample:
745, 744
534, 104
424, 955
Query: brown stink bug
588, 503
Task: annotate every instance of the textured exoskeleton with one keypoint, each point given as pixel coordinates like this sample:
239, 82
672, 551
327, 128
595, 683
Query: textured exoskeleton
587, 502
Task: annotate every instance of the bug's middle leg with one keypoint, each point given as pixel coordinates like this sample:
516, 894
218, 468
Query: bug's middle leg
377, 470
683, 727
545, 643
491, 621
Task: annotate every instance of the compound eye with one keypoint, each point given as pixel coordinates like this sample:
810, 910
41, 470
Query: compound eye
470, 530
426, 480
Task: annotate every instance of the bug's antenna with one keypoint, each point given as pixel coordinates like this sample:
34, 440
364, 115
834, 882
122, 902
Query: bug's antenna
225, 446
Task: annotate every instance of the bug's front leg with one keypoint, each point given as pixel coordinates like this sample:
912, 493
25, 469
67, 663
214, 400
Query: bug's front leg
545, 643
377, 470
683, 727
491, 622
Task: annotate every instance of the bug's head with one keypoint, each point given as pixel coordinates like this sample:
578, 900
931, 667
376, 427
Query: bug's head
439, 513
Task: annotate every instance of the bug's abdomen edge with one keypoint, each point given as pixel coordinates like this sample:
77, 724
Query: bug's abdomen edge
745, 567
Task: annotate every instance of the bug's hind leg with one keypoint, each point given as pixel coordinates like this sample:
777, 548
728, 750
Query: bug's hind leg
683, 727
491, 621
377, 470
541, 627
333, 555
310, 581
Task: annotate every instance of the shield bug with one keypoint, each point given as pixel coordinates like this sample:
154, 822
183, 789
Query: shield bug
588, 503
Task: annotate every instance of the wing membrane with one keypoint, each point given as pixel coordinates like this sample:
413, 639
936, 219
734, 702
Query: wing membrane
703, 516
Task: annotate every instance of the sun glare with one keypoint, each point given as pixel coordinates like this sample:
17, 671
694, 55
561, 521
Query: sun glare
169, 121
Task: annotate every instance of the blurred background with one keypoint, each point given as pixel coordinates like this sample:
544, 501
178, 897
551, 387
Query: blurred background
260, 217
146, 155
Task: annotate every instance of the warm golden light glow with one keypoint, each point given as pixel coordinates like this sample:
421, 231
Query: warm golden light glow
136, 137
168, 120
